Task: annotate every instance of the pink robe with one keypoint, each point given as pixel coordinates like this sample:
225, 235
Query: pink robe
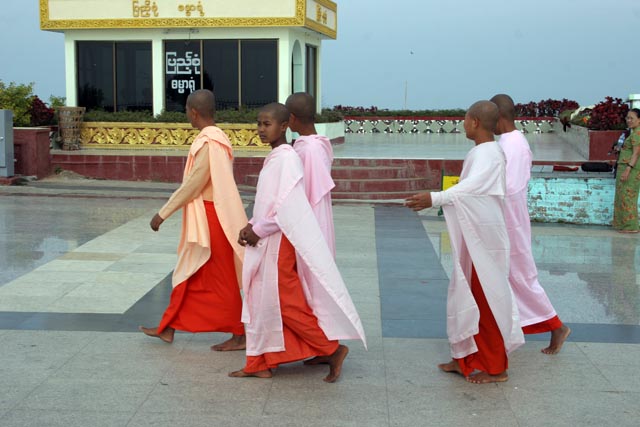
473, 209
280, 196
194, 248
317, 156
533, 303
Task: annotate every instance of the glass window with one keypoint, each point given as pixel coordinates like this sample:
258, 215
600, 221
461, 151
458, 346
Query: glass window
182, 72
312, 71
95, 75
220, 62
259, 72
133, 76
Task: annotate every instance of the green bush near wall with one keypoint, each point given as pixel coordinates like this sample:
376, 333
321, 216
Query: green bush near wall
222, 116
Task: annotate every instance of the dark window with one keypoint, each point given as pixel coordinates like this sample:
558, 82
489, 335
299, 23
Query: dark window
220, 61
239, 72
259, 72
114, 76
182, 70
133, 76
95, 75
312, 71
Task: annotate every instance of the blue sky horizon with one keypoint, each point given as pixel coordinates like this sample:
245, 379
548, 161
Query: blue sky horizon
421, 54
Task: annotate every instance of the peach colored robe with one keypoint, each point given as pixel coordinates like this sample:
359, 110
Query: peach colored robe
316, 154
473, 209
194, 248
533, 302
280, 196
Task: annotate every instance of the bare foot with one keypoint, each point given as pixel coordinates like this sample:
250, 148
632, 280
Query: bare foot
484, 378
166, 335
242, 374
236, 342
452, 367
335, 363
318, 360
558, 337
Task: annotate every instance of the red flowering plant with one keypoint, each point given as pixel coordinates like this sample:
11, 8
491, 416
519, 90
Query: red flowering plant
41, 115
545, 108
608, 115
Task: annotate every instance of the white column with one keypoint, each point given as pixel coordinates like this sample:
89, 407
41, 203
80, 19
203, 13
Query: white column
70, 67
157, 64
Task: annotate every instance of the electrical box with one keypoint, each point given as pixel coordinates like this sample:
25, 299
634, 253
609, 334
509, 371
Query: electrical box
6, 143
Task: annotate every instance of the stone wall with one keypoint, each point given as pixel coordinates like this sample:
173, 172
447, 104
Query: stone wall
579, 200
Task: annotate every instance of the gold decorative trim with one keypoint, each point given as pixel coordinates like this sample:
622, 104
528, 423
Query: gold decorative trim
319, 27
67, 24
328, 4
313, 25
163, 136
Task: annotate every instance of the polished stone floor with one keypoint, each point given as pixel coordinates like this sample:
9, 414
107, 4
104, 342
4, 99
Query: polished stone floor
80, 270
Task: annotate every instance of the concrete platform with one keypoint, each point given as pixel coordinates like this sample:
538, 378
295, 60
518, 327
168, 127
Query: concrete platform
80, 270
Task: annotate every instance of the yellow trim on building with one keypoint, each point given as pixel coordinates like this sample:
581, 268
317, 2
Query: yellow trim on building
163, 136
322, 29
67, 24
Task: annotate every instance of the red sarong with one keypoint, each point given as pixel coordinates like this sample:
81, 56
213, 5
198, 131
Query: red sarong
208, 301
491, 356
542, 327
303, 338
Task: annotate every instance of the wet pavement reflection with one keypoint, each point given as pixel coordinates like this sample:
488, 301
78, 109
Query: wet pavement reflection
36, 230
589, 272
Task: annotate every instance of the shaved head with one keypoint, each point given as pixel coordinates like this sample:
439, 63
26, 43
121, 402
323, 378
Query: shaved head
277, 111
203, 102
486, 112
303, 106
506, 107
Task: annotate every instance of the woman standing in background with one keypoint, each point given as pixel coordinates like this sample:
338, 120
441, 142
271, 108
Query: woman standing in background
625, 211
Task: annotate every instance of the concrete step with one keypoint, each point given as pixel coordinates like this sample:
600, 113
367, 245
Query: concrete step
364, 185
369, 172
380, 185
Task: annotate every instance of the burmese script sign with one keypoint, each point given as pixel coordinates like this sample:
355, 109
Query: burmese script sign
86, 14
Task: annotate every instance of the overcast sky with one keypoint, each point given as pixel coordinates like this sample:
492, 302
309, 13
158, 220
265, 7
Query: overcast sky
446, 54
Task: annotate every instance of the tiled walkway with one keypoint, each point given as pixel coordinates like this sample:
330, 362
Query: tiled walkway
80, 270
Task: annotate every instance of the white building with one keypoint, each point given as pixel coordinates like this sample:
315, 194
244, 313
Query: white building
150, 54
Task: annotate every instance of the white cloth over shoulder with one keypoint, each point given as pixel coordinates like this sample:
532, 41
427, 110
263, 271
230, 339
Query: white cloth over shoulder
473, 209
533, 302
280, 194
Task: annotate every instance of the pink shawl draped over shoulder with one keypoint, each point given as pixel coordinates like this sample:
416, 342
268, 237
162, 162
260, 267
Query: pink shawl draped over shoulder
533, 302
280, 194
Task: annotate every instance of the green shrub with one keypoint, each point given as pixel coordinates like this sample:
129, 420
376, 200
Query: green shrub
171, 117
119, 116
329, 116
57, 101
17, 98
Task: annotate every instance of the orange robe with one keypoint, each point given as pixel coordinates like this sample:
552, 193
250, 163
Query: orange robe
206, 281
491, 356
544, 326
303, 337
209, 300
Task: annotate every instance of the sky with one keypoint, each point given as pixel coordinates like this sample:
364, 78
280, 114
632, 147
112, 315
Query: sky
421, 54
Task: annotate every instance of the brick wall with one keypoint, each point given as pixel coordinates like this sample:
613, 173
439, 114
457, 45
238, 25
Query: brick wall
579, 200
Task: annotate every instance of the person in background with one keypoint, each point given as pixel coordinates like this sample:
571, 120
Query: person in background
625, 206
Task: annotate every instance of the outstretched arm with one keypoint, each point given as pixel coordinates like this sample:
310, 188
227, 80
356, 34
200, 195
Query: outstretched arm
191, 187
419, 201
